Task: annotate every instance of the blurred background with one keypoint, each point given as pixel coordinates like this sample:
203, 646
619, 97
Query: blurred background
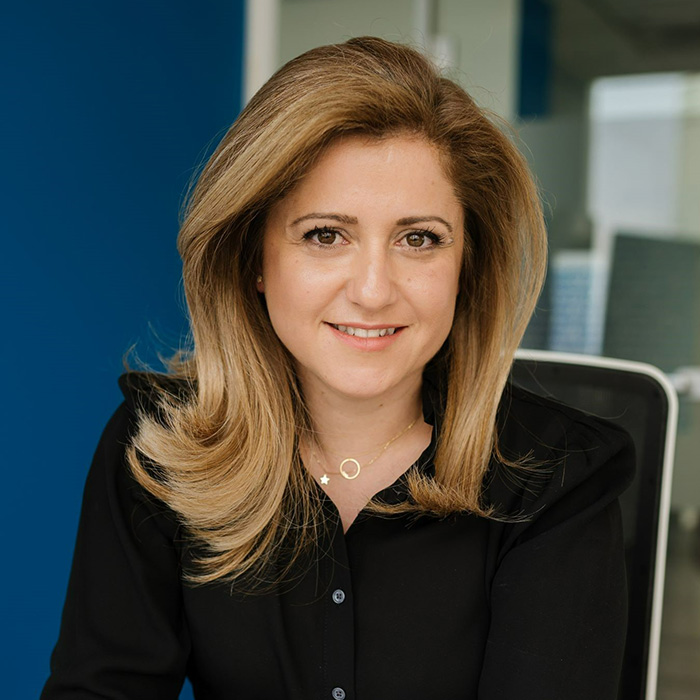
110, 107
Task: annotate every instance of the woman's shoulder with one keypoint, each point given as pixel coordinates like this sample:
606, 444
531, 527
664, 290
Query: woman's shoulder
142, 395
548, 426
110, 487
146, 391
570, 462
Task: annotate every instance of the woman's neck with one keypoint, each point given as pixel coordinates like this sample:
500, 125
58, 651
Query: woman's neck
348, 426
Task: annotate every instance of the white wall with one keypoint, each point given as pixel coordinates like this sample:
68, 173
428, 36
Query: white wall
556, 146
645, 149
689, 166
636, 143
308, 23
486, 35
261, 43
481, 36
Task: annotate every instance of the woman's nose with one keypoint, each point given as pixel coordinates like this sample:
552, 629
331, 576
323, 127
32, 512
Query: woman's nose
371, 282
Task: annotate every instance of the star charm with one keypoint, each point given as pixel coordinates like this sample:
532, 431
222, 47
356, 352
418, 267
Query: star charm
324, 479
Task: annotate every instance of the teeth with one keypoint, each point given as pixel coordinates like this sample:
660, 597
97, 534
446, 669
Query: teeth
364, 332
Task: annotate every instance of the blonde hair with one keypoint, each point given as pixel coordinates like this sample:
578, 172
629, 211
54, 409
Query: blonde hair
225, 456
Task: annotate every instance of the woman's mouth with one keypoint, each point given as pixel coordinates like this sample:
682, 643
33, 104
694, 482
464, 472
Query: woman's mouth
365, 332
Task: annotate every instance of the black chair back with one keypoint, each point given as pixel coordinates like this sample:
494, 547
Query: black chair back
640, 399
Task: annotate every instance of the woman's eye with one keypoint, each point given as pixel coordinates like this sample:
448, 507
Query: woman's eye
326, 236
323, 236
416, 240
421, 239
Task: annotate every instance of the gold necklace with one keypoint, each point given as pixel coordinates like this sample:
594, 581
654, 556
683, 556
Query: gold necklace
325, 479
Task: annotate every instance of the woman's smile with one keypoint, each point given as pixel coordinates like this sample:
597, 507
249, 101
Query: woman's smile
367, 339
364, 332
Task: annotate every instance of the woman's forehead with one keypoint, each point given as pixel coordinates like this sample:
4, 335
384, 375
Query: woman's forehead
401, 170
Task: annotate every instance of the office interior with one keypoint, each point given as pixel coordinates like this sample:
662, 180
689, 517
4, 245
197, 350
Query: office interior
111, 106
605, 99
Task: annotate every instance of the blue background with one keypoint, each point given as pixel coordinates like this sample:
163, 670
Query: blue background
108, 107
535, 59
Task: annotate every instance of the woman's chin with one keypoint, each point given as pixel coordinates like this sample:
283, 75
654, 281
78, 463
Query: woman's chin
364, 385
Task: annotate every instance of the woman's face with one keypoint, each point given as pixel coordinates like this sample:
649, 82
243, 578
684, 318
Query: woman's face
361, 266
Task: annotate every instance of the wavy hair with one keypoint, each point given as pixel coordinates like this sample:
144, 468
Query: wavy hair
224, 456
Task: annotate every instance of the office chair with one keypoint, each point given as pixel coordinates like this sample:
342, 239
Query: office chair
641, 399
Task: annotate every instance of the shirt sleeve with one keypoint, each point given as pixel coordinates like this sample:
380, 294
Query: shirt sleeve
559, 596
123, 633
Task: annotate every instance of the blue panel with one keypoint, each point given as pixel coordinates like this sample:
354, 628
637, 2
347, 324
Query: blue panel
535, 59
107, 109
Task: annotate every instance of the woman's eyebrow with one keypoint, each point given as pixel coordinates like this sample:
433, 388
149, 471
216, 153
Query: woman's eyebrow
344, 219
409, 220
341, 218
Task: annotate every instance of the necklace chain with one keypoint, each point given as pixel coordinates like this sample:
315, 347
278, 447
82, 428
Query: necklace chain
325, 479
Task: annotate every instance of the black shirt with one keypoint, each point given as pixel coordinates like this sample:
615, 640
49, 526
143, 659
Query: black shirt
413, 609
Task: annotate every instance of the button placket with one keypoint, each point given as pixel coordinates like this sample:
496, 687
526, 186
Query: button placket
339, 627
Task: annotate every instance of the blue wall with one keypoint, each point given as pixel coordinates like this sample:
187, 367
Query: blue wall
108, 107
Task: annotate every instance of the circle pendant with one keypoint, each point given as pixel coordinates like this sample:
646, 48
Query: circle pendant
357, 470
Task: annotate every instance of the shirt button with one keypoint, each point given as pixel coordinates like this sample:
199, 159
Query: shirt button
338, 693
338, 597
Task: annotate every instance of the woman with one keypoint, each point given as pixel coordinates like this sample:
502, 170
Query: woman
338, 494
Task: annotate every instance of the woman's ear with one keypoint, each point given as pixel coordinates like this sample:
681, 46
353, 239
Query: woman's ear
259, 285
